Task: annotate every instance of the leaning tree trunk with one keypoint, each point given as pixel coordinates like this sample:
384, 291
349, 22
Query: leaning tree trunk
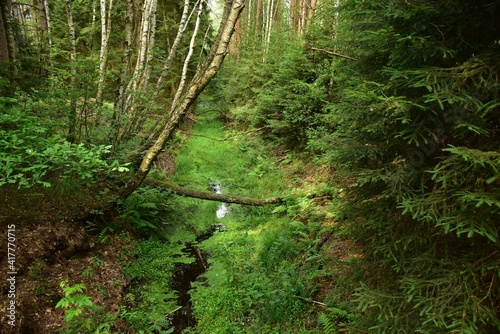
203, 76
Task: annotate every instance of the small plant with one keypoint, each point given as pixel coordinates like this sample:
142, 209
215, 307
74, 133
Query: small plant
39, 290
88, 272
81, 315
77, 307
105, 233
36, 270
97, 262
144, 207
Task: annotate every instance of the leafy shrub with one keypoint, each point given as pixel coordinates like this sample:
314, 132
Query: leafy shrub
30, 155
81, 315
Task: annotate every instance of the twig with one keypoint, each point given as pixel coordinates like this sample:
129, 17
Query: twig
335, 54
201, 258
229, 137
177, 309
310, 300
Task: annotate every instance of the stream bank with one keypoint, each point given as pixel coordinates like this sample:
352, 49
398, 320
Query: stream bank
187, 273
184, 275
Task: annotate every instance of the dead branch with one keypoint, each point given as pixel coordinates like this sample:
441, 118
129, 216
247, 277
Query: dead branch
335, 54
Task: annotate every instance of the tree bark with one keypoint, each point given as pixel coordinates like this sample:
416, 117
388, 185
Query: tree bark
103, 57
119, 104
173, 49
72, 39
7, 42
203, 76
211, 196
185, 67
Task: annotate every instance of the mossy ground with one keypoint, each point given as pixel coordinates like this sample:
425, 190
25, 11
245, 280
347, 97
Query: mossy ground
273, 270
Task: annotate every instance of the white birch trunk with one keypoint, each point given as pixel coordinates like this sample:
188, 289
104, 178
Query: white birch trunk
145, 47
47, 16
182, 83
270, 25
72, 38
103, 57
203, 76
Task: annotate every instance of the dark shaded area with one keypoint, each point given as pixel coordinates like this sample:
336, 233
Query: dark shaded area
181, 282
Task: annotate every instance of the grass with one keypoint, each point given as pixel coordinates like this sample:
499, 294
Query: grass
263, 269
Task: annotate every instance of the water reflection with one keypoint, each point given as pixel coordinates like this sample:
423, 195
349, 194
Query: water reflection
223, 209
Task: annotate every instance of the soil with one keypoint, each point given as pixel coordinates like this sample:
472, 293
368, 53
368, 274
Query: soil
51, 245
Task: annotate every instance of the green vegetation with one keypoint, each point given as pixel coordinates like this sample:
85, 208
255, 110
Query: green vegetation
81, 315
32, 154
410, 123
376, 122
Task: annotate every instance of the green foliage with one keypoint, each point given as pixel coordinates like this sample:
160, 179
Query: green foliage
416, 128
31, 155
81, 315
412, 130
150, 274
145, 208
252, 283
334, 318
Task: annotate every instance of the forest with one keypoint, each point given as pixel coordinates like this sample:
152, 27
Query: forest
250, 166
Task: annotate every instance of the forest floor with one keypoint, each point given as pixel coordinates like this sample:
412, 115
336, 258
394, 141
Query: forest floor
53, 245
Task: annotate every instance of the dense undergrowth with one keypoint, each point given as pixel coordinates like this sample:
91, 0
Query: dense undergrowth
379, 125
266, 267
410, 125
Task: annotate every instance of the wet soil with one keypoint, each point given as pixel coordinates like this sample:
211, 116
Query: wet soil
184, 276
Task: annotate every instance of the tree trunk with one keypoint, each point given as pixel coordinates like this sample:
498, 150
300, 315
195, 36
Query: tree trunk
72, 39
180, 89
204, 75
103, 57
166, 68
257, 18
137, 86
173, 49
119, 104
47, 17
211, 196
7, 42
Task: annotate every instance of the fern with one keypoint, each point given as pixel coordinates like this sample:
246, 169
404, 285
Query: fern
328, 323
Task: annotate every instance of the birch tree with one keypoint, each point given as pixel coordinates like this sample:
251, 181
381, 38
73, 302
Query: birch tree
103, 57
72, 40
137, 86
205, 73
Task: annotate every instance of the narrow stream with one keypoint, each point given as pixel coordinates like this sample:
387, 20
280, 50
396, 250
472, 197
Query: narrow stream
187, 273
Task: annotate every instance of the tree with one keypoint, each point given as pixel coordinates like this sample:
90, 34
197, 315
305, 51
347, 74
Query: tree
7, 43
103, 57
72, 39
205, 73
414, 127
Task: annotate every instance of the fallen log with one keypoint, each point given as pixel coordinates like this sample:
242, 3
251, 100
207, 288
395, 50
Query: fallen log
211, 196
